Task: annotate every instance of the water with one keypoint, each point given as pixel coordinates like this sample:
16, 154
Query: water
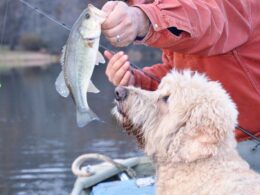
39, 138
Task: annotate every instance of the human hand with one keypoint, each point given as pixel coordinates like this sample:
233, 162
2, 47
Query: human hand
124, 23
118, 69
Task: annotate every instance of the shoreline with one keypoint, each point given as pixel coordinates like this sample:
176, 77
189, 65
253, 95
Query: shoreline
23, 59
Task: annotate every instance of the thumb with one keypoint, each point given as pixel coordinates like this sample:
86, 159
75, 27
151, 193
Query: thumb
109, 6
108, 54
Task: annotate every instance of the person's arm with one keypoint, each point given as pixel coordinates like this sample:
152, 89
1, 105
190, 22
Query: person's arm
207, 27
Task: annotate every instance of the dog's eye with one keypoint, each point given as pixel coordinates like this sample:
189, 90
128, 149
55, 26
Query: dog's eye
165, 98
87, 16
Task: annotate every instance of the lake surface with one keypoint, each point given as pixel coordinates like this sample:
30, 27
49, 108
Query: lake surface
39, 138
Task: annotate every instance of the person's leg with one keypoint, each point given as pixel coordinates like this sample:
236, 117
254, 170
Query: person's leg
245, 149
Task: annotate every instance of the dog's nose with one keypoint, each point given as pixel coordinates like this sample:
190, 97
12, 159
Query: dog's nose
120, 93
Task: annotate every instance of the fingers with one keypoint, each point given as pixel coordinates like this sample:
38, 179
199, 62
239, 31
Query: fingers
113, 19
116, 63
125, 80
120, 73
120, 22
109, 6
123, 41
108, 54
118, 68
113, 32
115, 14
120, 30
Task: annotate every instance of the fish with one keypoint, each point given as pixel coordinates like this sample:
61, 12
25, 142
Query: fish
78, 59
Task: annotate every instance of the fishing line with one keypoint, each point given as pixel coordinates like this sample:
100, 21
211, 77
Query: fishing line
39, 11
44, 14
4, 21
254, 138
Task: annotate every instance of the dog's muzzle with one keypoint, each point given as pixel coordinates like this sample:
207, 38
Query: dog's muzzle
121, 93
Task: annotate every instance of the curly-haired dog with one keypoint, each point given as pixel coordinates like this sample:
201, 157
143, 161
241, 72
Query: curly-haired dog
186, 127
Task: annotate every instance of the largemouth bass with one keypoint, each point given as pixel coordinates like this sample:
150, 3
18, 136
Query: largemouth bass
79, 56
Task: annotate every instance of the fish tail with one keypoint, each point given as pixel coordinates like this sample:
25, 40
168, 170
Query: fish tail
85, 117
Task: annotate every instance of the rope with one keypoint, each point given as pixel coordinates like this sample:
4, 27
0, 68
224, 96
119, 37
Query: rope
78, 162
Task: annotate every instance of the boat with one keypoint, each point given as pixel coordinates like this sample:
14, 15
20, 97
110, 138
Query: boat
113, 176
132, 175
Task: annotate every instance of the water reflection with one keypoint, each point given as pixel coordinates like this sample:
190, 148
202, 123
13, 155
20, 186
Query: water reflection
39, 138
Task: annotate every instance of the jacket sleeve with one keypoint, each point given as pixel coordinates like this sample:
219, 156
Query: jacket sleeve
158, 71
208, 27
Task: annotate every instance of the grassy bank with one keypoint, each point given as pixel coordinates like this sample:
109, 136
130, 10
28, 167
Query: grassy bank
20, 59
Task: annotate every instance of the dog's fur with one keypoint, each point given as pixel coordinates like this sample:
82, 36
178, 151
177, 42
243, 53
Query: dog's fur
186, 127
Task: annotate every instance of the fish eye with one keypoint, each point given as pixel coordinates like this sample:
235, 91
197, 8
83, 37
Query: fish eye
87, 16
165, 98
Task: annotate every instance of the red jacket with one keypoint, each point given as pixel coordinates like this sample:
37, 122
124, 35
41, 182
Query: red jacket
220, 38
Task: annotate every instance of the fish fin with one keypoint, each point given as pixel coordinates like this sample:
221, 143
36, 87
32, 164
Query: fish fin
92, 88
61, 86
85, 117
62, 58
100, 59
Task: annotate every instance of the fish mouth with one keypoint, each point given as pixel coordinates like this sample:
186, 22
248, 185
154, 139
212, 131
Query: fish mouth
90, 39
89, 42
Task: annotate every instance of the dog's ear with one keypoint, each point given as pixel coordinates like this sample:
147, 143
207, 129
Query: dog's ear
203, 133
200, 143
